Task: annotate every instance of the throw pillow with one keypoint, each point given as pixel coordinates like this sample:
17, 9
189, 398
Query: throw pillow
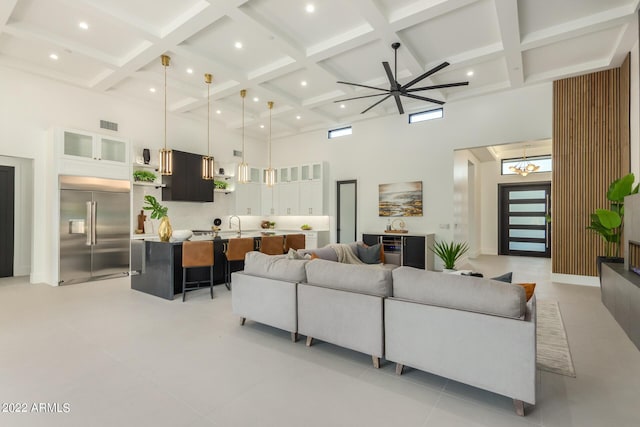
370, 254
506, 277
528, 288
293, 254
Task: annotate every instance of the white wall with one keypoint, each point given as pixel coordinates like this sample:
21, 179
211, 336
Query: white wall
388, 149
30, 106
634, 112
23, 212
467, 194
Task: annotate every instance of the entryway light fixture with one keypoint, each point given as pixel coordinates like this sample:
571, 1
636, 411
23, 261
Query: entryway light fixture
270, 173
523, 167
207, 161
166, 160
243, 168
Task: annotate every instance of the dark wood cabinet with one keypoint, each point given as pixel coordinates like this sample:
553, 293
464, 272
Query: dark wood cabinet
413, 251
186, 183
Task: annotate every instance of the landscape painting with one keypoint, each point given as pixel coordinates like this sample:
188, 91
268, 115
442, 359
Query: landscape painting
400, 199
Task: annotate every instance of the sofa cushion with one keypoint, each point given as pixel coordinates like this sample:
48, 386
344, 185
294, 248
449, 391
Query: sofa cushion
323, 253
464, 293
370, 254
368, 279
275, 267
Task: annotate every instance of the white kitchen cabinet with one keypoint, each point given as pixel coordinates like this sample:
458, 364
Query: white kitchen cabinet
248, 198
92, 154
288, 174
269, 205
311, 198
311, 172
288, 199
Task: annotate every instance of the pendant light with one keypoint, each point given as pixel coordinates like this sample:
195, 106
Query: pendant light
270, 173
207, 161
243, 168
524, 167
166, 161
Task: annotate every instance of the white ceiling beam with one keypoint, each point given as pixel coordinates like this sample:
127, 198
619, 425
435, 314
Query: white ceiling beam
421, 11
508, 21
6, 10
590, 24
570, 71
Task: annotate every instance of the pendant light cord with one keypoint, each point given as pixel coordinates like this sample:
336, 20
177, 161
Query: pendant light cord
270, 103
165, 107
208, 115
243, 92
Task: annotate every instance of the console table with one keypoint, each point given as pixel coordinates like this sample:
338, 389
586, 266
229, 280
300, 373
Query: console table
621, 295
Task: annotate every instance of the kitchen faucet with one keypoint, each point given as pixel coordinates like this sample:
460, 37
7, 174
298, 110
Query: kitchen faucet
239, 226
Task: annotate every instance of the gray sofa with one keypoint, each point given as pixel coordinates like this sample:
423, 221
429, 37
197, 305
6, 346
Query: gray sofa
477, 331
343, 304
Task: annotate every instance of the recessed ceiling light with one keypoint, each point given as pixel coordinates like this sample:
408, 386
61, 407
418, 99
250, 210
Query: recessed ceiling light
238, 45
189, 70
343, 106
218, 112
298, 117
256, 99
303, 83
53, 56
310, 8
83, 25
152, 89
470, 73
261, 126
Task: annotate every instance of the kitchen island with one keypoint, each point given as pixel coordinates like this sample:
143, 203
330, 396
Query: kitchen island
156, 267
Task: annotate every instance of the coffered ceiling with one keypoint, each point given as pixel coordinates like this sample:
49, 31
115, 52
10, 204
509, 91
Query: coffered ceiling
294, 57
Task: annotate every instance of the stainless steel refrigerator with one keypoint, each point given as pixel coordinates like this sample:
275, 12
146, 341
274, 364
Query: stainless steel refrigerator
94, 228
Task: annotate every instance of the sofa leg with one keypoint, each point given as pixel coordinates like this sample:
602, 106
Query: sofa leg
294, 336
519, 406
399, 368
309, 341
376, 362
242, 320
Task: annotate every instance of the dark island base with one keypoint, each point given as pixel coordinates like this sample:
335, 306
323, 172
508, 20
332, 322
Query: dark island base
157, 267
621, 295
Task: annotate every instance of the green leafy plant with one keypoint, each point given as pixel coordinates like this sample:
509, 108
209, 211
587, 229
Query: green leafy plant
449, 252
157, 210
221, 185
608, 223
144, 176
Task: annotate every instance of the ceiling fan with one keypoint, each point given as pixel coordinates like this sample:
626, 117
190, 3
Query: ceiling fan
397, 90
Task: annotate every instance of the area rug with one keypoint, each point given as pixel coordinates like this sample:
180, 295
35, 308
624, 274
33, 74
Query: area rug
553, 353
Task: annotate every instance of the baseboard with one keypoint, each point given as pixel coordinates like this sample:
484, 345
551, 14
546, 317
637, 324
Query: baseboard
574, 279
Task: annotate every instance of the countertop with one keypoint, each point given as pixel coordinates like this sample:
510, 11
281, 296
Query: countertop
230, 234
383, 233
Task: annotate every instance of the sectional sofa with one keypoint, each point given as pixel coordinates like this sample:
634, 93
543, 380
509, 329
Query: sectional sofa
473, 330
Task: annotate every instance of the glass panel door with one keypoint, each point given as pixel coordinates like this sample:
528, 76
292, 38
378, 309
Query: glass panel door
112, 150
524, 226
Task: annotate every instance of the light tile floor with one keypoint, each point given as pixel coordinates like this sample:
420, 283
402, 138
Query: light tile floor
122, 358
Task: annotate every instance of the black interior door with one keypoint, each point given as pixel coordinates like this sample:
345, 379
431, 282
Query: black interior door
523, 211
7, 186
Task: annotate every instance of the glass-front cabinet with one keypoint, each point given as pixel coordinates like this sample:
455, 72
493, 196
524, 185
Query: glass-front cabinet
94, 147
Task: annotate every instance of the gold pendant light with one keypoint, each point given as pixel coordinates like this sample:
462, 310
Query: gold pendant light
207, 161
270, 173
243, 168
166, 161
523, 167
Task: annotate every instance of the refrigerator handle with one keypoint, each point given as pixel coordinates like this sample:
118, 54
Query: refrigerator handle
94, 229
89, 222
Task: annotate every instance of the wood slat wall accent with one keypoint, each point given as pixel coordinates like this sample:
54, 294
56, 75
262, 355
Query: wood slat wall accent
625, 114
587, 157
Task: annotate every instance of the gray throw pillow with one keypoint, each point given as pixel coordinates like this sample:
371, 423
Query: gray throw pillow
369, 255
506, 277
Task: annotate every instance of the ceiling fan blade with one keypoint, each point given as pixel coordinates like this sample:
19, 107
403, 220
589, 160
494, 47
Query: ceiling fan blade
417, 89
425, 75
368, 87
392, 80
422, 98
399, 104
386, 97
360, 97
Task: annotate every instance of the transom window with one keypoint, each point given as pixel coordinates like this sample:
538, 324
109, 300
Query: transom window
543, 161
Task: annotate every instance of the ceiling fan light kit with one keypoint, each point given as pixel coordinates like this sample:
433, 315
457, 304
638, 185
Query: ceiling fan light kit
397, 90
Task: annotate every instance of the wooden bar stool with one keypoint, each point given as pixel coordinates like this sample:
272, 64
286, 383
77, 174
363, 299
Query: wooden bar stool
196, 254
294, 241
272, 245
235, 251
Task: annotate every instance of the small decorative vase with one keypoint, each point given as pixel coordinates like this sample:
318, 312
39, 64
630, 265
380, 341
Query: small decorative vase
165, 230
146, 156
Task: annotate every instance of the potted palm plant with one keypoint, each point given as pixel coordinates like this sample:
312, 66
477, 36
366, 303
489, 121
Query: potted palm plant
609, 223
449, 252
159, 212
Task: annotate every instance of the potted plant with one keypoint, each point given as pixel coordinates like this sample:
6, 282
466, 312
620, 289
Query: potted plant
449, 252
220, 185
159, 212
609, 223
144, 176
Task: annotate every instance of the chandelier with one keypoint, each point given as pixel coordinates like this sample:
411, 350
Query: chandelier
524, 167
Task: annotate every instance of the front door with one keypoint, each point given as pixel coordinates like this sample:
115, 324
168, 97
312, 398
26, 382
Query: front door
525, 227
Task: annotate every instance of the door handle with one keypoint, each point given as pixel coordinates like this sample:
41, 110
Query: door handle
94, 231
89, 222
